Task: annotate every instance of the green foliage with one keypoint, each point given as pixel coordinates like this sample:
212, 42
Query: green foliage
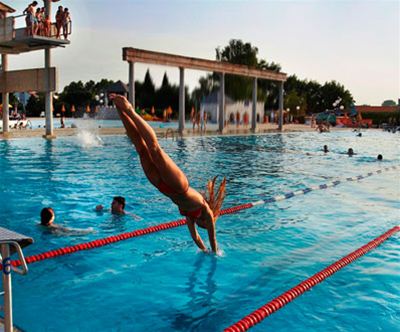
310, 96
389, 103
378, 118
315, 97
145, 97
35, 105
295, 103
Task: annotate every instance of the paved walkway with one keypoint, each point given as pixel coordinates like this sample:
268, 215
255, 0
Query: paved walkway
162, 132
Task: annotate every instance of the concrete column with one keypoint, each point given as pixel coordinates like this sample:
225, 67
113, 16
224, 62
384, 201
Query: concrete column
181, 125
280, 126
221, 115
254, 110
48, 96
6, 99
132, 83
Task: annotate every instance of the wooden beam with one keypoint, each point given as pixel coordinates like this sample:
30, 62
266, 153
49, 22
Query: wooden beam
137, 55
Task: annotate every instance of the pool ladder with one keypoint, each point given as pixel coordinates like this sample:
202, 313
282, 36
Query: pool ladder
169, 130
11, 242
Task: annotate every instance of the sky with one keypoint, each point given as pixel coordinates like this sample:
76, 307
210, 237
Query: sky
356, 43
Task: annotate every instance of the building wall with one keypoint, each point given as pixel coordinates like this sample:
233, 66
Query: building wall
235, 113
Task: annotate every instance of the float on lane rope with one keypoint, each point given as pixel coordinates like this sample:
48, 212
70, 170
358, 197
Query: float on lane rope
152, 229
268, 309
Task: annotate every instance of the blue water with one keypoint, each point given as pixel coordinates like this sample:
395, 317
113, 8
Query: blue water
93, 123
160, 282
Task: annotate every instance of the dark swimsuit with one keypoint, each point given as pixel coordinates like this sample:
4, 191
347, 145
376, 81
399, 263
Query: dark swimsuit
166, 190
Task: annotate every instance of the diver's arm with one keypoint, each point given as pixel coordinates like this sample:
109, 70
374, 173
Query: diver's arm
211, 232
61, 230
195, 235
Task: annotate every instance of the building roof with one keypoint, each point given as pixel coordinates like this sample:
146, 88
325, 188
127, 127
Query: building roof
213, 98
117, 87
379, 109
5, 8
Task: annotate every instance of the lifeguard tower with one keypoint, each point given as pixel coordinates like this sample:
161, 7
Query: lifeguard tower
20, 40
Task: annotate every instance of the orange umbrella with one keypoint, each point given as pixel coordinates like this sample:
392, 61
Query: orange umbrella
73, 109
63, 108
87, 109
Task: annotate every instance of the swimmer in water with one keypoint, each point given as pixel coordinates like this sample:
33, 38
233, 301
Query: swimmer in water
47, 217
118, 208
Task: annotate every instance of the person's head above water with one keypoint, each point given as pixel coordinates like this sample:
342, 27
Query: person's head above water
118, 205
350, 152
47, 216
380, 157
326, 148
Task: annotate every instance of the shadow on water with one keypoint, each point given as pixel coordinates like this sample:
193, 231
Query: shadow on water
199, 313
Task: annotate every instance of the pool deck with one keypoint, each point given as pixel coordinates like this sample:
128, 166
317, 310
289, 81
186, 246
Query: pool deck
164, 132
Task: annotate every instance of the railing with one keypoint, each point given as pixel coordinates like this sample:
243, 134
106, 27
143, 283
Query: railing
22, 33
11, 242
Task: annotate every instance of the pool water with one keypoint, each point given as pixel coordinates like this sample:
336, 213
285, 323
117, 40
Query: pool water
91, 123
161, 282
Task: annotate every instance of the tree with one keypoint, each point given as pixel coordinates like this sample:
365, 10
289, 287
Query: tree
206, 87
331, 91
35, 105
238, 87
146, 97
237, 52
293, 101
76, 93
389, 102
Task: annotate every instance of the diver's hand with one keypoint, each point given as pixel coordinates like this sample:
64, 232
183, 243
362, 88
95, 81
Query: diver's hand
120, 102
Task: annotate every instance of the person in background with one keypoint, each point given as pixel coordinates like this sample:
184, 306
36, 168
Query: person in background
59, 20
66, 18
47, 217
350, 152
117, 205
47, 26
193, 117
380, 157
197, 120
169, 179
325, 148
30, 18
205, 116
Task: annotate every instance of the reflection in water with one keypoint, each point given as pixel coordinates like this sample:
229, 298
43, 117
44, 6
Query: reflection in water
199, 312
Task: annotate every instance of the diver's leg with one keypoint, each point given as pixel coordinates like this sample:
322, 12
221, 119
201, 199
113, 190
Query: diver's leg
148, 166
171, 174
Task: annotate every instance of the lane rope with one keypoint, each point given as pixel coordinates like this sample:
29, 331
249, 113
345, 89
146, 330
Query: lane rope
180, 222
279, 302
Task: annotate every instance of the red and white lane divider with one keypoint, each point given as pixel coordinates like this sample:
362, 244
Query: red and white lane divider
180, 222
268, 309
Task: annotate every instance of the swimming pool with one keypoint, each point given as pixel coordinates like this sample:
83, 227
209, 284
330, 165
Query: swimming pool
160, 282
90, 123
